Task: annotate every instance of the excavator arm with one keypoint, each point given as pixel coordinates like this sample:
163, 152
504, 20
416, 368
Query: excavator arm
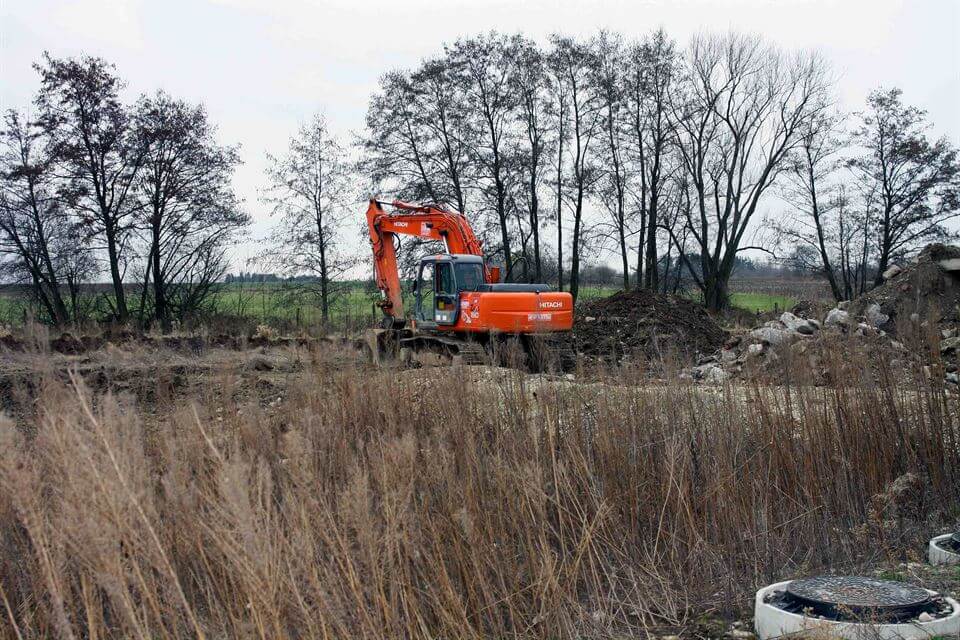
423, 221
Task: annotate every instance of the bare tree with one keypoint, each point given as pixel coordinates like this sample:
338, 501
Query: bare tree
810, 189
311, 190
188, 211
485, 66
89, 129
536, 118
417, 135
609, 61
741, 111
914, 183
650, 85
441, 110
571, 62
396, 147
37, 234
560, 102
854, 237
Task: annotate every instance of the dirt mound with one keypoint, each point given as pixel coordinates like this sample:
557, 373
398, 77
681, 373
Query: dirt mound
928, 287
641, 322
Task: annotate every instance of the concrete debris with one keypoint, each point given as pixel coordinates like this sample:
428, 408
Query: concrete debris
710, 372
791, 321
892, 272
771, 335
857, 339
948, 345
951, 264
836, 317
875, 316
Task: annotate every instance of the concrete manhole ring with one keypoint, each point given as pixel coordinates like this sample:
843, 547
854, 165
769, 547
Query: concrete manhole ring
944, 549
773, 621
857, 596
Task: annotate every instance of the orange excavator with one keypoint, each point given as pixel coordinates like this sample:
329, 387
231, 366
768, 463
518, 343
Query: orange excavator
461, 311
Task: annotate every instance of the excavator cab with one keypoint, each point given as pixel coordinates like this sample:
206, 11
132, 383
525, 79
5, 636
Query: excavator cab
440, 280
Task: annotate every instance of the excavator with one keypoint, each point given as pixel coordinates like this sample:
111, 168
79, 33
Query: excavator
461, 311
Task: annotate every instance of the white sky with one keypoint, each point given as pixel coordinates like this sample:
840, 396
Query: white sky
263, 67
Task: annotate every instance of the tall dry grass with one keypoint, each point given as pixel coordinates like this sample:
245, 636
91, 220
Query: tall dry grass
454, 503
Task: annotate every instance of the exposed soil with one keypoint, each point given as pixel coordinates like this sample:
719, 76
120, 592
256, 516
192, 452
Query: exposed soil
69, 344
161, 369
646, 324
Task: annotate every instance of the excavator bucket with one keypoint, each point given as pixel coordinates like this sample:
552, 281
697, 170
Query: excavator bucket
382, 345
374, 340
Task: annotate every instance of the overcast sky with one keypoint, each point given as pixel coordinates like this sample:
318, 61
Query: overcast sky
262, 67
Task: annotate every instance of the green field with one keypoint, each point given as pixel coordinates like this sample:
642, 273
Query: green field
753, 301
293, 305
761, 302
279, 301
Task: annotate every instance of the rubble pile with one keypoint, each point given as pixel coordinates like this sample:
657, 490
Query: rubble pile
646, 324
926, 290
917, 304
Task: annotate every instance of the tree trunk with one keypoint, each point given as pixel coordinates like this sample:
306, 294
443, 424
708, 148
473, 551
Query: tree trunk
716, 296
118, 292
535, 228
161, 313
575, 255
560, 211
624, 258
652, 275
324, 285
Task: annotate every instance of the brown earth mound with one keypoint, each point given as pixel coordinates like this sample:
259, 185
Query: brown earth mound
645, 323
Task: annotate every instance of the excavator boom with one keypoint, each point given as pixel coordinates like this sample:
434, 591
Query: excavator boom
423, 221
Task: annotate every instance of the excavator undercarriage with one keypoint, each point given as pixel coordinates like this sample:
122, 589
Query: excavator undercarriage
535, 353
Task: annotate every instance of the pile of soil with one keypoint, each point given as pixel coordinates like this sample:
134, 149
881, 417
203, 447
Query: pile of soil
647, 324
928, 287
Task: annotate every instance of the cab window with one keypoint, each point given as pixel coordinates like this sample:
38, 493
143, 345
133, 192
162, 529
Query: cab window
469, 276
425, 287
446, 285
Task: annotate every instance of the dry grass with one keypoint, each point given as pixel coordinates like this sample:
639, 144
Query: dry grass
454, 504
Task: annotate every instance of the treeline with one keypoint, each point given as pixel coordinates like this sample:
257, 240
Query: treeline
92, 185
660, 152
673, 159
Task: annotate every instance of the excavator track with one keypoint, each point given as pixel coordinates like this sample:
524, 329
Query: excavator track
449, 350
538, 353
471, 353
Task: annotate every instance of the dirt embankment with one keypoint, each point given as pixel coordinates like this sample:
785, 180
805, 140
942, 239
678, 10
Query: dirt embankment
68, 343
157, 369
645, 324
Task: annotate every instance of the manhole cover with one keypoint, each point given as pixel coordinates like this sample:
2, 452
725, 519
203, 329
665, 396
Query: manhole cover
852, 595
